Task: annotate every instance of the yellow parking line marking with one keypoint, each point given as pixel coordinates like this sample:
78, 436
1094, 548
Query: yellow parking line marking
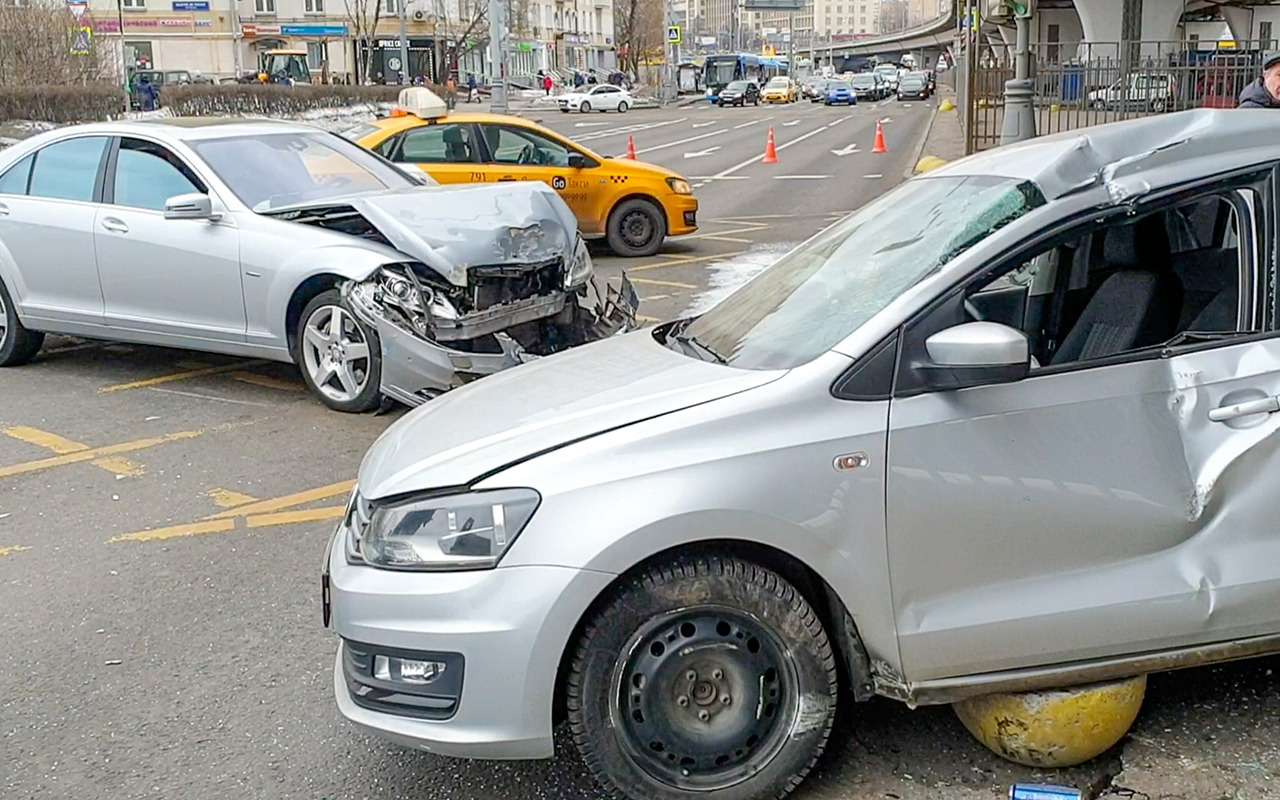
64, 446
652, 282
12, 550
289, 500
176, 531
643, 318
226, 498
691, 260
94, 453
179, 376
294, 517
268, 382
733, 239
729, 232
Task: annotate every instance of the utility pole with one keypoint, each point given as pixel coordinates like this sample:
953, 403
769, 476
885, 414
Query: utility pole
498, 55
236, 59
403, 7
791, 43
1019, 93
124, 55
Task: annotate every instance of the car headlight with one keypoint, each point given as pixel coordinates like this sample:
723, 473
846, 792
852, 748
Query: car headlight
679, 186
580, 266
453, 532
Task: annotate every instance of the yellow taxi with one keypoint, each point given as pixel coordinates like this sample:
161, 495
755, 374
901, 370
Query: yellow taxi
780, 89
633, 205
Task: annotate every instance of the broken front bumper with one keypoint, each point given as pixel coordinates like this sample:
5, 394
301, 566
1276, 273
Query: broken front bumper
416, 368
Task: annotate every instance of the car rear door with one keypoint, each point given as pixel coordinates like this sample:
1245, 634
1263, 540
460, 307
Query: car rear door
448, 152
170, 280
1101, 508
47, 228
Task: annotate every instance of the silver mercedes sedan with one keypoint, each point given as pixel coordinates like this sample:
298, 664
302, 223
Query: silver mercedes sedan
281, 241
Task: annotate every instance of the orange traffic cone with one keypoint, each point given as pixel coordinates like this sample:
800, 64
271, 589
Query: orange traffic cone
880, 146
631, 147
770, 150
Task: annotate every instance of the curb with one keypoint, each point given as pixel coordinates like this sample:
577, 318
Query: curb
924, 142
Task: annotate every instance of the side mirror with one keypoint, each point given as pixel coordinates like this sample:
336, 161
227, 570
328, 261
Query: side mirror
975, 354
579, 161
189, 206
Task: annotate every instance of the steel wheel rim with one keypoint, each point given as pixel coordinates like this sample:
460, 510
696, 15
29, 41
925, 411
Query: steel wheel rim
4, 321
637, 228
670, 707
335, 353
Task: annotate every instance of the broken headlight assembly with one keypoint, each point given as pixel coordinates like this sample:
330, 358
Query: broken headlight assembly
578, 267
441, 533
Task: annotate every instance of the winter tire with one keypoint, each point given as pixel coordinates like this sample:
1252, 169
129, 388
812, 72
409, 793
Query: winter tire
339, 356
702, 677
636, 227
585, 108
17, 344
622, 107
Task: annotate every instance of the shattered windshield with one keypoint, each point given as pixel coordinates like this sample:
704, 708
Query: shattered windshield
281, 169
820, 293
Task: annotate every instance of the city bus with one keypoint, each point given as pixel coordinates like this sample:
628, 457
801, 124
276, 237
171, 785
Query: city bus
720, 70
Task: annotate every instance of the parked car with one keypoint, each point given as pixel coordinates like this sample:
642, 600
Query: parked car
739, 93
913, 87
780, 89
284, 242
1067, 345
634, 206
889, 73
1148, 91
840, 92
867, 86
601, 97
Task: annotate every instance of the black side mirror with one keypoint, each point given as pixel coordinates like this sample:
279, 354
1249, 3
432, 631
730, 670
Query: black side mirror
579, 161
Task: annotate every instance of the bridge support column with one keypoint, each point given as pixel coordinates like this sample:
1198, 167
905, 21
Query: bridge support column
1106, 22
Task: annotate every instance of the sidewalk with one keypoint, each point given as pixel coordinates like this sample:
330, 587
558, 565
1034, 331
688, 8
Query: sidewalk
945, 141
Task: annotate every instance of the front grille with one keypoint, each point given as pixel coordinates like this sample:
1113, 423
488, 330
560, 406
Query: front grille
505, 283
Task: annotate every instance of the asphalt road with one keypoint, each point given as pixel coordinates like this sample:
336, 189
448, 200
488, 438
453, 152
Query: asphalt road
163, 516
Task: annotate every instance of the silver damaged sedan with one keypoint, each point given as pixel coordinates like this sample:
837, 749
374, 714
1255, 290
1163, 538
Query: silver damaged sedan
1012, 426
281, 241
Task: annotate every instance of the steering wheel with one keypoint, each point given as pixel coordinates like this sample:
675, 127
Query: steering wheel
528, 155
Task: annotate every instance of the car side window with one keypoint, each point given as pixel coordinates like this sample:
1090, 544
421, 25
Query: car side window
14, 180
68, 170
436, 144
148, 174
511, 145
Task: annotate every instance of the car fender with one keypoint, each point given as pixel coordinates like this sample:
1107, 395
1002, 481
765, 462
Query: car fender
12, 278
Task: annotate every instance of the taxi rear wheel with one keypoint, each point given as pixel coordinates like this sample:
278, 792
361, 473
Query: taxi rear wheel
636, 228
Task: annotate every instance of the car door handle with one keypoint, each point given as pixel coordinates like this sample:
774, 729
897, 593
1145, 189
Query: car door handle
4, 210
1267, 405
115, 225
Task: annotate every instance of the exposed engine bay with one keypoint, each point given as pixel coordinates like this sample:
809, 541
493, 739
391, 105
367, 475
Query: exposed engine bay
441, 325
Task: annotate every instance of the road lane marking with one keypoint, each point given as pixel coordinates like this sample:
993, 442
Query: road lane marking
179, 376
733, 239
590, 124
64, 446
725, 178
752, 122
673, 284
848, 149
228, 498
681, 261
176, 531
643, 318
12, 549
703, 124
701, 153
781, 147
800, 177
874, 177
680, 141
290, 500
295, 517
95, 453
268, 382
792, 122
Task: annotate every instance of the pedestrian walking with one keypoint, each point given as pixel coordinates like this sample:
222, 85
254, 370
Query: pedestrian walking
450, 93
547, 83
1265, 91
473, 91
577, 79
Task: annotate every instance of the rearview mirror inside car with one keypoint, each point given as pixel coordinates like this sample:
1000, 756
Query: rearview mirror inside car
975, 354
189, 206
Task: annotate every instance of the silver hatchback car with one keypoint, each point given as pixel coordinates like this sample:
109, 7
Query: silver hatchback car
1005, 428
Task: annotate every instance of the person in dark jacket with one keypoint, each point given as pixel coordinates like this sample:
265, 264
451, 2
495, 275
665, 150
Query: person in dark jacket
1265, 91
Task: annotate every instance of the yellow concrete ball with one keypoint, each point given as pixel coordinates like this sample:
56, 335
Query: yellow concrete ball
1058, 727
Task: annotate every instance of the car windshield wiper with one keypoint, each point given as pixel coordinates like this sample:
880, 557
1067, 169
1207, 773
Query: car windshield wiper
696, 347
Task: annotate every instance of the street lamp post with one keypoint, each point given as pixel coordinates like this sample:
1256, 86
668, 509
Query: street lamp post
403, 7
1019, 94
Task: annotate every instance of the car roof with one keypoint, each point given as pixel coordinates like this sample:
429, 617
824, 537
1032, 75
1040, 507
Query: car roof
192, 128
1128, 158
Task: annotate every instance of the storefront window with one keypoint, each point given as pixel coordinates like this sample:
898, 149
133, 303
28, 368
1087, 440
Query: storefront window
138, 55
317, 55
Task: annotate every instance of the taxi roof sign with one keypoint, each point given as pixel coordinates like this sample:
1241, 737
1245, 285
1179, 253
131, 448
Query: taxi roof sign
422, 103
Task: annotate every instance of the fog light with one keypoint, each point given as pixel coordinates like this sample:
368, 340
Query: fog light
406, 670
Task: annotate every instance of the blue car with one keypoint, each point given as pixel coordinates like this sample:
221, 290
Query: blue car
840, 92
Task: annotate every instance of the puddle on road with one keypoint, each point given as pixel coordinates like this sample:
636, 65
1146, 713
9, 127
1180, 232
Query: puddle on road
725, 276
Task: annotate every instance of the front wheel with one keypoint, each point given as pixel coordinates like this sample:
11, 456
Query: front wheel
622, 107
636, 228
339, 356
585, 107
17, 344
703, 677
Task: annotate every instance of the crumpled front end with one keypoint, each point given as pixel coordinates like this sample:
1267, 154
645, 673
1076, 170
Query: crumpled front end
435, 337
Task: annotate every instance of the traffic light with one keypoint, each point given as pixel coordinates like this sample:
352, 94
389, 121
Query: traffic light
1000, 10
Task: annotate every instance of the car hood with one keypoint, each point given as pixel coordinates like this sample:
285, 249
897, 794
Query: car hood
461, 436
453, 228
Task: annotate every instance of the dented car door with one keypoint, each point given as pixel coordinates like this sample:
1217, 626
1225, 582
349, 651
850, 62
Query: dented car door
1095, 509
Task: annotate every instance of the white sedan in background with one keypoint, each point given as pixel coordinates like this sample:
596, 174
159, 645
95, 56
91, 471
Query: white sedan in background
602, 97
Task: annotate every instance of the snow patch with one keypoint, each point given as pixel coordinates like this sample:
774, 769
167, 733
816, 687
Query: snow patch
723, 277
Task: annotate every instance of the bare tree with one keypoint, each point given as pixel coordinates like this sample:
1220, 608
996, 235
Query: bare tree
36, 44
638, 29
363, 17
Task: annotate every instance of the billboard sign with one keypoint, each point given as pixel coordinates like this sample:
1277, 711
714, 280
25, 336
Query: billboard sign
773, 5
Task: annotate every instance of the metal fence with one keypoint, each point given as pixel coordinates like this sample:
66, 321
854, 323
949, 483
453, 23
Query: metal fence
1102, 82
